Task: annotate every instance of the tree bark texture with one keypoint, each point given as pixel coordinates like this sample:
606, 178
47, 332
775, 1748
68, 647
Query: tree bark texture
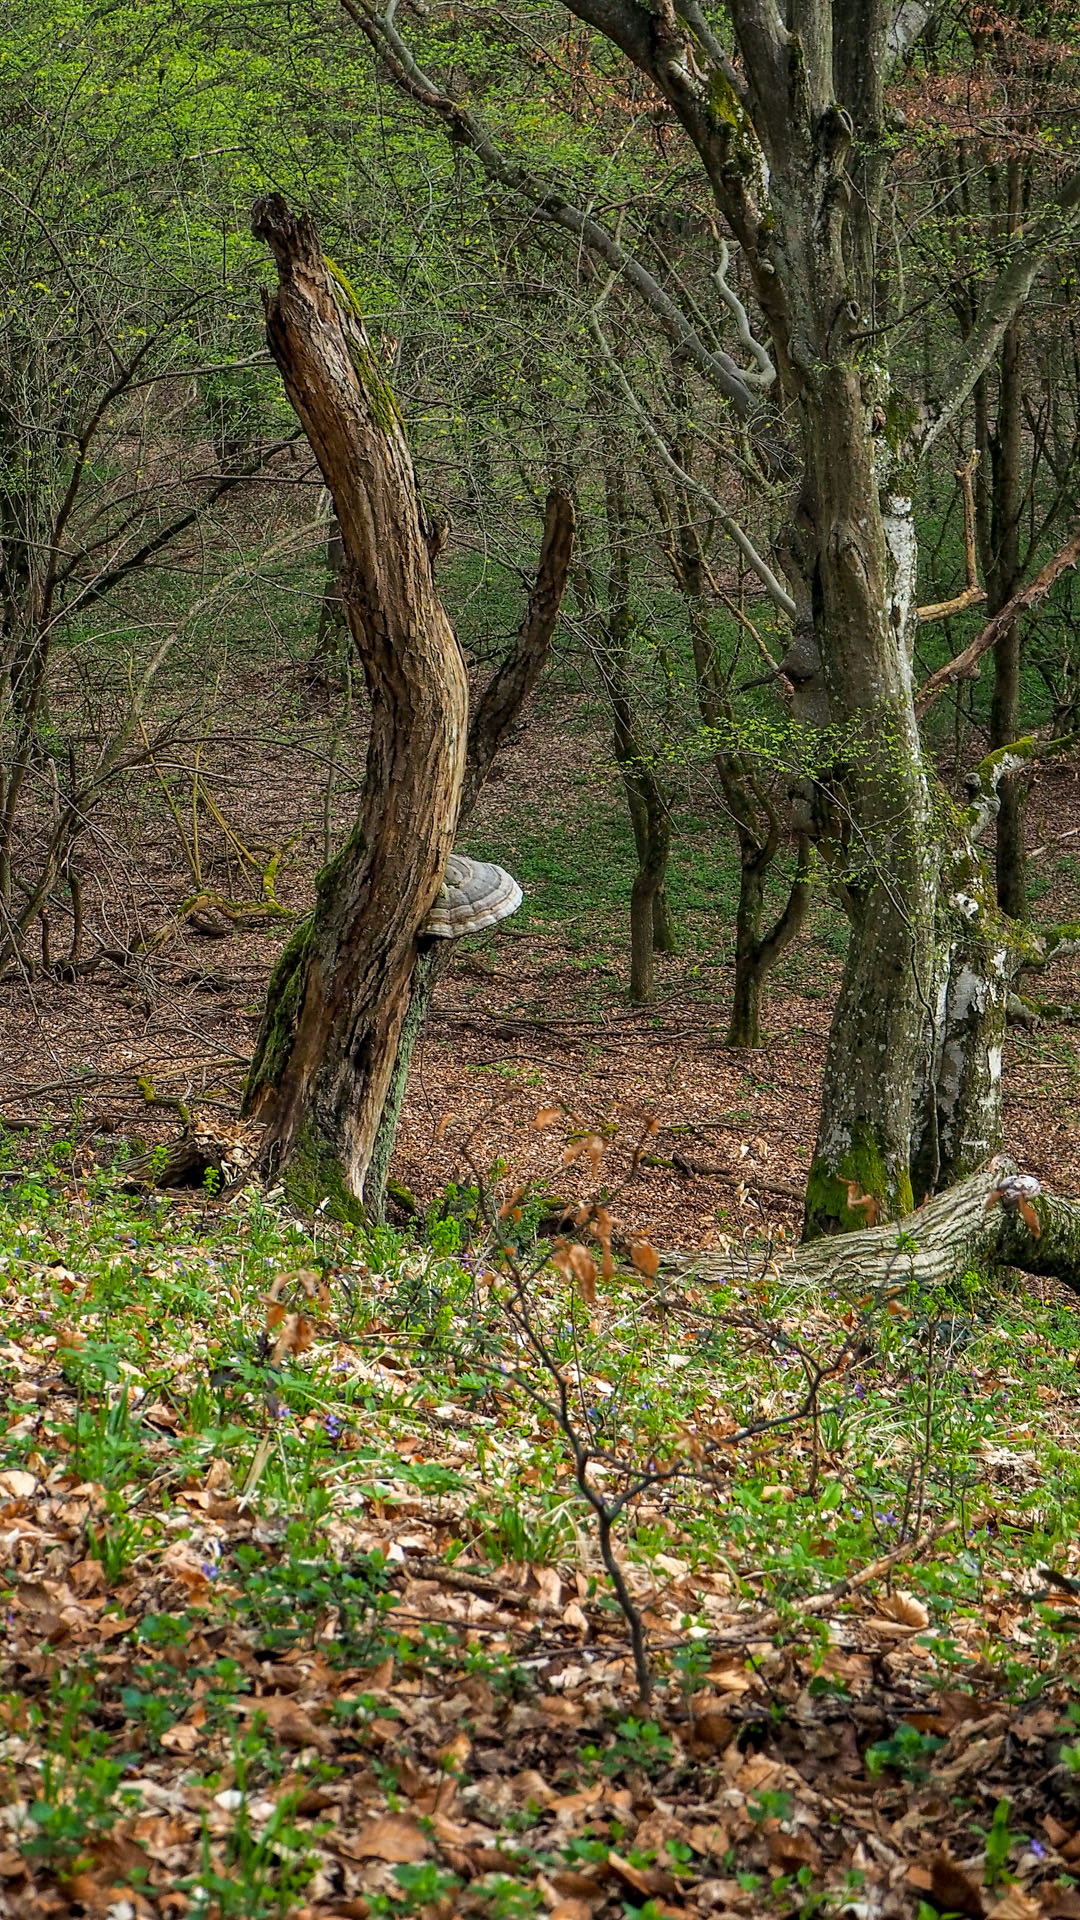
340, 992
963, 1230
495, 714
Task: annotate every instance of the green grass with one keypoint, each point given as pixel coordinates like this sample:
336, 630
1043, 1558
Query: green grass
229, 1511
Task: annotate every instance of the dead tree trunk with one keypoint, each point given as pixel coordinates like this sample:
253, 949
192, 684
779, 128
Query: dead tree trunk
996, 1218
495, 715
340, 992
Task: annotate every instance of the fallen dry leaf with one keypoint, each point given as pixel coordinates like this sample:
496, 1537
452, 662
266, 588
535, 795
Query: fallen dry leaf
1015, 1904
288, 1722
18, 1484
394, 1837
905, 1610
182, 1738
645, 1258
648, 1881
949, 1887
793, 1850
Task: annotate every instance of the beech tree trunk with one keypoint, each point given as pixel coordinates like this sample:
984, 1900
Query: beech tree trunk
341, 990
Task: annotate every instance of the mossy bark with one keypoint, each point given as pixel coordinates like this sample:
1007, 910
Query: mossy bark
841, 1193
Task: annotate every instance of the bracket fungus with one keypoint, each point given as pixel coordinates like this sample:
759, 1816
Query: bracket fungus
474, 894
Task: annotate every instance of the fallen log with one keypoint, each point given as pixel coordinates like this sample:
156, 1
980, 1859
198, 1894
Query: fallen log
997, 1218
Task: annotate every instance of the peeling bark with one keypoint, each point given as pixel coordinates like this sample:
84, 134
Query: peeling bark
496, 713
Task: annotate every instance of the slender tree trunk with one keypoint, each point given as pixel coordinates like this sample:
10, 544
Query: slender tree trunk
1003, 582
744, 1029
756, 953
650, 927
338, 997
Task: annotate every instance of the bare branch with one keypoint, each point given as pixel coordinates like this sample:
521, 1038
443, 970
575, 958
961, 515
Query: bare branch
463, 129
776, 592
966, 664
766, 372
972, 592
1055, 228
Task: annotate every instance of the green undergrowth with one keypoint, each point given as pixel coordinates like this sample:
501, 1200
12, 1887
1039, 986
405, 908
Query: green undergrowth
231, 1431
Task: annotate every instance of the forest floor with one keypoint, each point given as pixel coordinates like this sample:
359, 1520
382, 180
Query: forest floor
532, 1013
305, 1609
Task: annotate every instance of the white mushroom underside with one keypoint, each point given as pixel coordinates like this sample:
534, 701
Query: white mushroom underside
474, 895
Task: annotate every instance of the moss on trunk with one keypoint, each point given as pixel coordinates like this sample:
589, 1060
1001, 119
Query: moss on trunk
313, 1178
860, 1174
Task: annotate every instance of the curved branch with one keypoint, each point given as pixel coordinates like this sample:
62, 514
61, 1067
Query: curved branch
766, 372
965, 665
777, 593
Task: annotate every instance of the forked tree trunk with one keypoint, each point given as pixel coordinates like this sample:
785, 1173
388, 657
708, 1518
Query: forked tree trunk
960, 1231
496, 714
756, 952
340, 991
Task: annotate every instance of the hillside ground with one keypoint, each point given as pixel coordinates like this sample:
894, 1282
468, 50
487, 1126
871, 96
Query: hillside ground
307, 1610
